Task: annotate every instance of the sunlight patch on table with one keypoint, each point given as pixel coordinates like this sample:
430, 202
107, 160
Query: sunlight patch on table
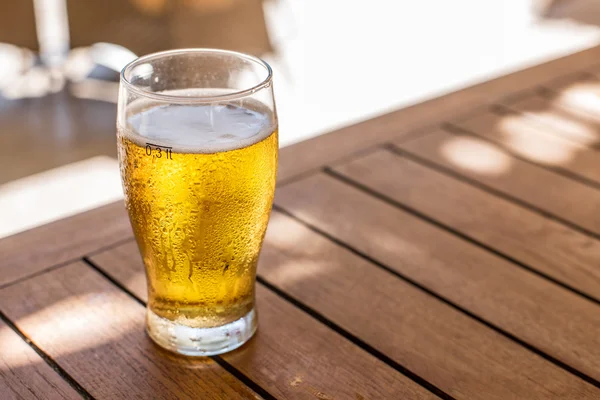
476, 155
11, 349
286, 238
574, 130
547, 150
294, 271
584, 95
282, 230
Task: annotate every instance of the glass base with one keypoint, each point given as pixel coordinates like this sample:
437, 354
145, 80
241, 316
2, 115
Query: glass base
200, 341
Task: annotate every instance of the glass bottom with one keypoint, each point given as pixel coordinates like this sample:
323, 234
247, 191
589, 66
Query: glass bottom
200, 341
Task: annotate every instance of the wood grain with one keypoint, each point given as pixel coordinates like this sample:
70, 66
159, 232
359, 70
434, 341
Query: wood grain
23, 373
489, 165
309, 155
559, 119
95, 332
554, 320
29, 252
547, 246
517, 134
292, 355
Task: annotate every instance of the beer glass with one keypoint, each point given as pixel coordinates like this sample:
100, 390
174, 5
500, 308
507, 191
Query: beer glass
197, 145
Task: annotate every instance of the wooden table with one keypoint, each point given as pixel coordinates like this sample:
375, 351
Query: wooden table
459, 261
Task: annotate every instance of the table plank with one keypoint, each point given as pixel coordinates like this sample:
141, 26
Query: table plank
515, 133
545, 245
61, 241
95, 333
292, 355
23, 373
440, 344
554, 320
548, 192
310, 155
559, 119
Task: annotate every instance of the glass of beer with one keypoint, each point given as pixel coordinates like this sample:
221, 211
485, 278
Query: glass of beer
197, 145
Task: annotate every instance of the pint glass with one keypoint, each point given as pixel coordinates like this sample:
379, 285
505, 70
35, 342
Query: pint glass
197, 145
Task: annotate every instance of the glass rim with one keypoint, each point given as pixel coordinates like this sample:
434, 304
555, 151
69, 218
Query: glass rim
237, 94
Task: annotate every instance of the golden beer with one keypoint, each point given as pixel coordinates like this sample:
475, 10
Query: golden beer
198, 189
197, 144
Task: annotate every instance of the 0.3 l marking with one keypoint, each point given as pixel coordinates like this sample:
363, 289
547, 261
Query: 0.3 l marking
159, 151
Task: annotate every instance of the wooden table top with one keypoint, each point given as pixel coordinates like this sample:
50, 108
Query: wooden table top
456, 261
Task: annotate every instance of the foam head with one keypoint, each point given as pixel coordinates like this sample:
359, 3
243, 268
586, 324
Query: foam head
204, 128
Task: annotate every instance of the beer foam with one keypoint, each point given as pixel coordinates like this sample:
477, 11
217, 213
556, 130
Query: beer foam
204, 128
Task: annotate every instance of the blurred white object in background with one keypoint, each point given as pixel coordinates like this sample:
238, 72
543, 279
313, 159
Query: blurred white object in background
82, 61
52, 26
35, 82
111, 56
13, 62
79, 64
21, 78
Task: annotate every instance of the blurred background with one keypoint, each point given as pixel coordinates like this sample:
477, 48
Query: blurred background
336, 63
